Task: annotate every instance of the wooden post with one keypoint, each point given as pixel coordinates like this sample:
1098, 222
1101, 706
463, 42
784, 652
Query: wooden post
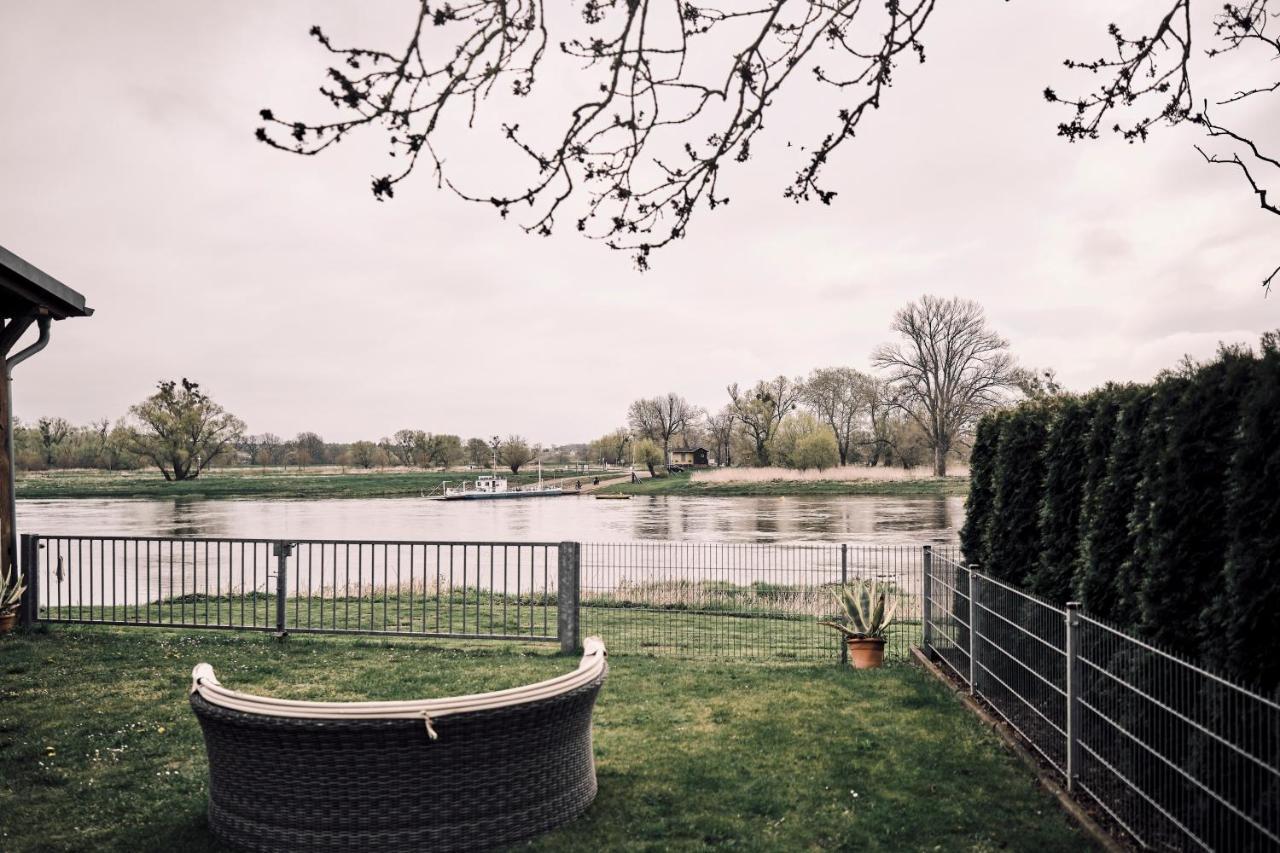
29, 609
9, 335
567, 597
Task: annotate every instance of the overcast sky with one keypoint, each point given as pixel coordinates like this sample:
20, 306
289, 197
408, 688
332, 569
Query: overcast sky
130, 172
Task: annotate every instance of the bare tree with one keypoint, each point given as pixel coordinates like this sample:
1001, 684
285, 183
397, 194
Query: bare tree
1150, 79
679, 90
659, 418
840, 397
720, 427
948, 369
761, 409
272, 448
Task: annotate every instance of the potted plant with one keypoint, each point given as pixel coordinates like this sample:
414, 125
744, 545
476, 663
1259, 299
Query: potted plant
868, 612
11, 589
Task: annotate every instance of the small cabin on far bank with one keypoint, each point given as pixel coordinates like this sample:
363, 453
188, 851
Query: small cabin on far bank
695, 457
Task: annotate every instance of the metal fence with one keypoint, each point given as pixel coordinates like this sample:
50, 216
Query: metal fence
476, 590
740, 600
1175, 755
690, 599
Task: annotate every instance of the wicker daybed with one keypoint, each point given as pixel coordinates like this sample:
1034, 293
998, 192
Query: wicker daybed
462, 773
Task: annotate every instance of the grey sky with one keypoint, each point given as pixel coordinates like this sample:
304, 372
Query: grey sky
131, 173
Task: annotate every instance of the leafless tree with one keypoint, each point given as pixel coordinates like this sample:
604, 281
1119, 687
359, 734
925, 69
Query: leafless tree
1151, 79
761, 409
948, 369
659, 418
840, 397
720, 428
679, 91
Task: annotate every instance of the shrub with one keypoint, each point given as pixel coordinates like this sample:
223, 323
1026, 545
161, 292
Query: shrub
1013, 536
1061, 497
1250, 597
977, 506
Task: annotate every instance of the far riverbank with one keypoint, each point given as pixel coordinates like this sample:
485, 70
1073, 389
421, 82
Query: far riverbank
321, 483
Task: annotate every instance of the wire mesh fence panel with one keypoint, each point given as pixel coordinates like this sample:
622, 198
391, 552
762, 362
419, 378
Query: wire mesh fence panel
481, 590
1178, 757
738, 600
1020, 664
1181, 758
215, 583
458, 589
948, 609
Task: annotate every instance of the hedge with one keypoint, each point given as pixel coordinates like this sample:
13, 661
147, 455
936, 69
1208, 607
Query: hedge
1156, 506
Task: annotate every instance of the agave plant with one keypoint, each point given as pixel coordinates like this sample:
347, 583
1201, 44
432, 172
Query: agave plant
11, 589
868, 610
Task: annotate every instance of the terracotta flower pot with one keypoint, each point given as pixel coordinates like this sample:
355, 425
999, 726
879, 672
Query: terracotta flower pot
8, 621
865, 652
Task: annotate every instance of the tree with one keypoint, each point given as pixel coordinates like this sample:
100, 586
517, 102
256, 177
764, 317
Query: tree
649, 454
1061, 498
816, 450
720, 428
1097, 449
978, 505
406, 446
181, 430
308, 448
610, 448
1013, 535
1148, 80
271, 449
515, 452
680, 90
840, 397
366, 454
443, 450
1250, 595
477, 452
761, 409
1108, 541
1188, 505
949, 369
53, 432
879, 415
659, 418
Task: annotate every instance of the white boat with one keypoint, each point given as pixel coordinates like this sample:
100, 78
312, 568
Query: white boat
492, 487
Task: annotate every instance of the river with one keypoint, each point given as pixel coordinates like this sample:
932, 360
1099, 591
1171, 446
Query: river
861, 519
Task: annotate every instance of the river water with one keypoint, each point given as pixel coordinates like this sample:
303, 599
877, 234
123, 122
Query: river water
861, 519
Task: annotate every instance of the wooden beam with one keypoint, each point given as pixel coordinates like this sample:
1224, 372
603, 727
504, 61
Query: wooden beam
12, 331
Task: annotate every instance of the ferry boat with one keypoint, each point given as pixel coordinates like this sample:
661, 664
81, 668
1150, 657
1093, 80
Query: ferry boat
492, 487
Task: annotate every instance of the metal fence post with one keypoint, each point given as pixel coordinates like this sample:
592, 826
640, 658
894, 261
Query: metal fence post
975, 587
926, 601
29, 606
1073, 692
282, 551
844, 581
567, 596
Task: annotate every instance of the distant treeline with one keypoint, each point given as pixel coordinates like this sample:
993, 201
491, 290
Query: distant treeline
1156, 506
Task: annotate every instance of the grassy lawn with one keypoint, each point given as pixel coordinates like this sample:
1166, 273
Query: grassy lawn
683, 484
99, 750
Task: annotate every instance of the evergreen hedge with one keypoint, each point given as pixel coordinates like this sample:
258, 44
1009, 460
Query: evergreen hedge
1156, 506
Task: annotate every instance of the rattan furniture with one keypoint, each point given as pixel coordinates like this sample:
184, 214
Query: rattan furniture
463, 773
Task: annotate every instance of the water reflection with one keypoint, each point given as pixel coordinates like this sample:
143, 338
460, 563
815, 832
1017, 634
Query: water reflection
697, 519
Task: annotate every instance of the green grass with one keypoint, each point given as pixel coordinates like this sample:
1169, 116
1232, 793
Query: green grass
683, 484
247, 483
99, 749
706, 620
